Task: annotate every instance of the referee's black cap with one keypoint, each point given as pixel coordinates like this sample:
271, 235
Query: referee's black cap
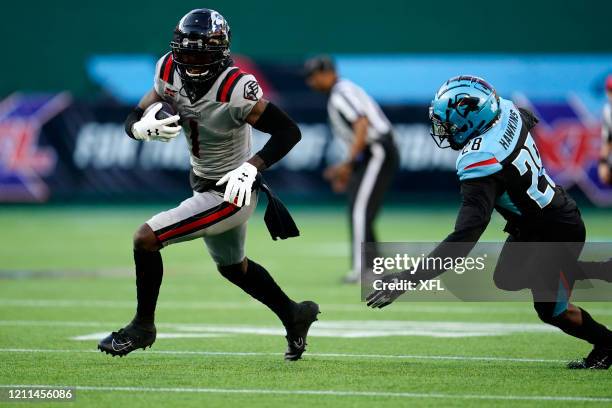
318, 63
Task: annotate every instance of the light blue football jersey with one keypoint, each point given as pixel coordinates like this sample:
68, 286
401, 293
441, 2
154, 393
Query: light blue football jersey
509, 146
484, 154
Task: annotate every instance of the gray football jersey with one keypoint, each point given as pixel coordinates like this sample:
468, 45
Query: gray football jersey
218, 136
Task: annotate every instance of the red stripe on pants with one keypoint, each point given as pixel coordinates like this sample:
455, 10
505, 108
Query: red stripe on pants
197, 224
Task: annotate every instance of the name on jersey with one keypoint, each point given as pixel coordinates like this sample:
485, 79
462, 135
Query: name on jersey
190, 112
513, 122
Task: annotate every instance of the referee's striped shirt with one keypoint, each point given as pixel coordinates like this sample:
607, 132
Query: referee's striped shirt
347, 103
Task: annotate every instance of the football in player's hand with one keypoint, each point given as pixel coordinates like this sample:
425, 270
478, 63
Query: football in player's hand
165, 112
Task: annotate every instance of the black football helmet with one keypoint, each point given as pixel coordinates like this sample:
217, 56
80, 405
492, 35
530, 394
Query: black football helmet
201, 47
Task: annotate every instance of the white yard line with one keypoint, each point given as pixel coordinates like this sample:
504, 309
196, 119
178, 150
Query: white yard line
322, 355
347, 307
327, 328
338, 393
400, 307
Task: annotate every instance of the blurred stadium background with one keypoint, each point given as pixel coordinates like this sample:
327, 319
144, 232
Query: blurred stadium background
73, 188
69, 81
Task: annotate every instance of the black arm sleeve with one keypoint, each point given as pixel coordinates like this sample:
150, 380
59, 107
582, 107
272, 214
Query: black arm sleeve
476, 208
478, 202
132, 118
284, 134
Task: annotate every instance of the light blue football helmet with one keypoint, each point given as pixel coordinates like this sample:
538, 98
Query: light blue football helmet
464, 107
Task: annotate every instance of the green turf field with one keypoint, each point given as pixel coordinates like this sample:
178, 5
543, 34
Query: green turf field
66, 273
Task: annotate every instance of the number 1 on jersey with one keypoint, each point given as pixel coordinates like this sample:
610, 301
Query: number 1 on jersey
194, 136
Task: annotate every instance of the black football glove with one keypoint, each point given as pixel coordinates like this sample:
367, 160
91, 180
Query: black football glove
381, 298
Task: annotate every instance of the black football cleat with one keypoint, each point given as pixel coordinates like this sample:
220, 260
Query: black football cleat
128, 339
600, 358
306, 314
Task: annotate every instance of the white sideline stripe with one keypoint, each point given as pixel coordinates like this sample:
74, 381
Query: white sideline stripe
323, 355
267, 391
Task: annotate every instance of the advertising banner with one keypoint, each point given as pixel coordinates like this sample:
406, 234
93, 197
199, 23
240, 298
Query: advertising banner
55, 148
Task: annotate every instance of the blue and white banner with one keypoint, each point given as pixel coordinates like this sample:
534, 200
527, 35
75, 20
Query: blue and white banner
60, 148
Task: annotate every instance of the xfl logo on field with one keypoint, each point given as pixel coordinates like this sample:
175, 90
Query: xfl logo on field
23, 163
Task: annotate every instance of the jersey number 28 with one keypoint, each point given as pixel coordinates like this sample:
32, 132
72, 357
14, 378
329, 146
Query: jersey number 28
529, 159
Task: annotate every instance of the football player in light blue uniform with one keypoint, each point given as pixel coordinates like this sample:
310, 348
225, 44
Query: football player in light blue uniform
499, 167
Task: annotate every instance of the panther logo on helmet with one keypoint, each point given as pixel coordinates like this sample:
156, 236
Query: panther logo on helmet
464, 107
464, 104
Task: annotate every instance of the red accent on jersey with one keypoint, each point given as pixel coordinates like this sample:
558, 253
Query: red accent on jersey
492, 160
167, 68
228, 85
224, 211
247, 65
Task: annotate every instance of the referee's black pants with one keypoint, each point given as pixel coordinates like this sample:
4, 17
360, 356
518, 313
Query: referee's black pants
371, 178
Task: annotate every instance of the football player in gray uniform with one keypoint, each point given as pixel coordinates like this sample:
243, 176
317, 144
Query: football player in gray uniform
216, 105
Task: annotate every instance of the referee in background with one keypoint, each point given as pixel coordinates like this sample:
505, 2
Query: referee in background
372, 159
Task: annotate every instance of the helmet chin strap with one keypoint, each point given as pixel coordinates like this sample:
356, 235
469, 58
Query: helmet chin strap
195, 90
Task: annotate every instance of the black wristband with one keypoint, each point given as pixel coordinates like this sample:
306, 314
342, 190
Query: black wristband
603, 160
132, 118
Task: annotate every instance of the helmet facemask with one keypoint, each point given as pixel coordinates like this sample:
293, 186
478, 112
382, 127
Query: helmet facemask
199, 67
442, 132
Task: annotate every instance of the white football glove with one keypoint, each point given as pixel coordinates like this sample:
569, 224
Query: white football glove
149, 128
239, 184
